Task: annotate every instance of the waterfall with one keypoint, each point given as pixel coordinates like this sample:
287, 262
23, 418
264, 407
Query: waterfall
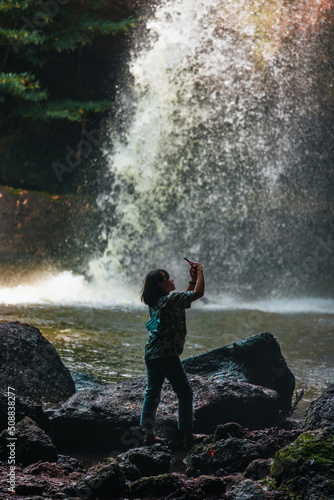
218, 151
221, 149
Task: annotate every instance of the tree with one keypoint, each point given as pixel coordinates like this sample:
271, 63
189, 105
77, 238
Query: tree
46, 46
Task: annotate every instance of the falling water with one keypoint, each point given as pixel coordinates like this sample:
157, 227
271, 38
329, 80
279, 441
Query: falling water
220, 151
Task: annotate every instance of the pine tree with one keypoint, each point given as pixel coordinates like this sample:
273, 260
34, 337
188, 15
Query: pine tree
51, 93
32, 32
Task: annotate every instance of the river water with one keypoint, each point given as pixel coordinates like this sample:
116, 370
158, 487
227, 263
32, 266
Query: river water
97, 333
220, 149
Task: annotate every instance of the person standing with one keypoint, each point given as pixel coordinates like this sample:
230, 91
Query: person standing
167, 327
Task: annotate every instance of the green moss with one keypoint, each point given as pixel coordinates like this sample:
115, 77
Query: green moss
309, 458
308, 447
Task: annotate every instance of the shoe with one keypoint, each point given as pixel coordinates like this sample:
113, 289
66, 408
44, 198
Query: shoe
149, 440
196, 439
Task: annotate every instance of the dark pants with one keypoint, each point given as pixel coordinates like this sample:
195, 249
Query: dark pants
172, 369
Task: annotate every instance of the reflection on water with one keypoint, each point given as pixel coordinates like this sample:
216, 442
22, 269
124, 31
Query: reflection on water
109, 343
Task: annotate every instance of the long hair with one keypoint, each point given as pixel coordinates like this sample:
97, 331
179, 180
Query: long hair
151, 291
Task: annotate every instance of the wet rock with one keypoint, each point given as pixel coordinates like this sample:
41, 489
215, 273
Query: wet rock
70, 464
178, 486
24, 407
320, 415
42, 480
84, 381
258, 469
230, 429
257, 360
307, 466
130, 471
31, 365
105, 480
156, 486
31, 444
232, 455
246, 490
107, 418
103, 418
273, 439
150, 460
246, 404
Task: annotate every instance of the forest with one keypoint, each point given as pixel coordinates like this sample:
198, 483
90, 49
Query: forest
59, 61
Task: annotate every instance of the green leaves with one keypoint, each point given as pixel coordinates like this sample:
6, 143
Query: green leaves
67, 109
23, 86
34, 37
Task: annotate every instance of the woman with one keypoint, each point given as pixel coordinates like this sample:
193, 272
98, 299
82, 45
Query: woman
167, 328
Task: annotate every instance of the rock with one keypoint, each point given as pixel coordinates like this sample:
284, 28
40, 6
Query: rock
150, 460
232, 455
272, 439
248, 405
40, 481
175, 485
24, 407
103, 418
107, 418
31, 365
31, 444
105, 480
231, 429
320, 415
246, 490
70, 464
156, 486
84, 381
307, 466
258, 469
256, 360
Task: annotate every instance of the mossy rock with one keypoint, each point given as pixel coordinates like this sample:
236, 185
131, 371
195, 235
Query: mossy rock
104, 480
306, 466
156, 486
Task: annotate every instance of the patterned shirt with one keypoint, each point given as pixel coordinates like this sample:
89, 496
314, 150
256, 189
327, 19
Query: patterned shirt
168, 338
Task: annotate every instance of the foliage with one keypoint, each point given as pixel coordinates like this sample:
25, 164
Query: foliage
34, 34
21, 85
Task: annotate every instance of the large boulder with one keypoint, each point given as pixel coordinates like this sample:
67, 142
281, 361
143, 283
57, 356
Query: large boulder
107, 418
257, 360
31, 366
320, 415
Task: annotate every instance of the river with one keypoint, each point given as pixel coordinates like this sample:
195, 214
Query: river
105, 336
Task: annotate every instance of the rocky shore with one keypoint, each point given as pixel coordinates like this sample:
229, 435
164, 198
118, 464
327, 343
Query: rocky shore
254, 449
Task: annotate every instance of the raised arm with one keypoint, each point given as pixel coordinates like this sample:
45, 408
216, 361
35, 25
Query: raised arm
197, 280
